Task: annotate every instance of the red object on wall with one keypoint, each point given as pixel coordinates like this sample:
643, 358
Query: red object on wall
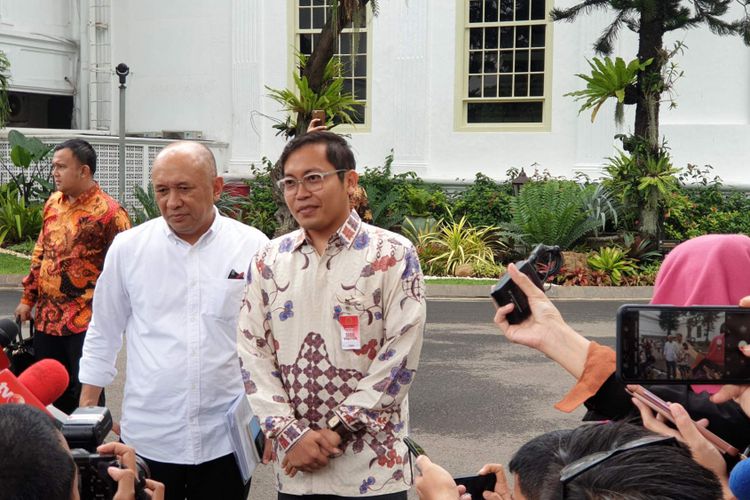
237, 188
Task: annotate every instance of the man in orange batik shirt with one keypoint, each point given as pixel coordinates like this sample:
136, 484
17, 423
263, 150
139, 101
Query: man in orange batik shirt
79, 223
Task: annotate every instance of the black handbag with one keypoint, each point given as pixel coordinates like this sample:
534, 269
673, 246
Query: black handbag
21, 351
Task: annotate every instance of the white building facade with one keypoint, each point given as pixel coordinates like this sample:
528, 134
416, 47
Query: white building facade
454, 87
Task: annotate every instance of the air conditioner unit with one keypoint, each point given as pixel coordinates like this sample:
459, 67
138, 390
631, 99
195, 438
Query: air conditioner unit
182, 134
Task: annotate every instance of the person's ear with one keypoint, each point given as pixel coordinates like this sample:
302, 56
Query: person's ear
218, 185
351, 179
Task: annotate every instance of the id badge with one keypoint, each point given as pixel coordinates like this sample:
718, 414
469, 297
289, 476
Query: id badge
349, 332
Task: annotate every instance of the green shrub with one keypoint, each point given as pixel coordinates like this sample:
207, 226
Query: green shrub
551, 212
258, 208
484, 203
484, 269
19, 220
613, 262
147, 209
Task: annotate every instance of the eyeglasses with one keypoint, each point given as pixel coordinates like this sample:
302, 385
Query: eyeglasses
575, 469
312, 181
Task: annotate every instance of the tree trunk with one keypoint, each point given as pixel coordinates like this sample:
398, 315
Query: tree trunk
650, 41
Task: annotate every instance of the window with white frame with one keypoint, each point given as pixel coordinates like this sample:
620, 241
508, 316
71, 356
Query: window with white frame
351, 48
505, 62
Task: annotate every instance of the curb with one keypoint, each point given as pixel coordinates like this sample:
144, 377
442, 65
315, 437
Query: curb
556, 292
11, 280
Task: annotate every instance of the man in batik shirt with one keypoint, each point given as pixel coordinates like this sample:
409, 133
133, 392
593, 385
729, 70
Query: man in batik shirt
79, 223
330, 334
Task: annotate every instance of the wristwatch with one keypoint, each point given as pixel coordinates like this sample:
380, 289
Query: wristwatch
337, 425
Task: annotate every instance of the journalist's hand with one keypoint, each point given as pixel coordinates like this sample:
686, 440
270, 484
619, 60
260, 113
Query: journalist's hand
308, 454
23, 312
126, 476
502, 489
435, 483
545, 330
316, 125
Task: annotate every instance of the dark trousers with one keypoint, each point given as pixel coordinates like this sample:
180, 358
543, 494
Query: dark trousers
218, 478
401, 495
67, 350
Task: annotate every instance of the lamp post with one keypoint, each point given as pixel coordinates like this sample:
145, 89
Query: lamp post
122, 71
519, 181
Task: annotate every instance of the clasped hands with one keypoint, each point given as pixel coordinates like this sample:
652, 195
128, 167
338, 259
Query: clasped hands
311, 452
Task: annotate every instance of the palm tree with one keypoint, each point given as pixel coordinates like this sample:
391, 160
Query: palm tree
651, 19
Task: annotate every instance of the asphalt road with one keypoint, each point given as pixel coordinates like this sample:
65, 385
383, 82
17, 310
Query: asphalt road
476, 397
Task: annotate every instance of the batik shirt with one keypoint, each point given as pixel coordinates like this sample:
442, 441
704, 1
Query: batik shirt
68, 258
298, 374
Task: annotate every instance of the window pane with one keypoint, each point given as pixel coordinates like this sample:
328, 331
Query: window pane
345, 43
490, 38
475, 62
506, 10
358, 116
305, 44
360, 65
490, 86
475, 38
537, 60
490, 11
505, 62
304, 19
506, 86
475, 86
304, 2
537, 35
505, 112
319, 2
490, 62
506, 37
318, 18
536, 85
522, 10
361, 42
522, 36
360, 89
522, 86
475, 11
348, 86
522, 61
537, 9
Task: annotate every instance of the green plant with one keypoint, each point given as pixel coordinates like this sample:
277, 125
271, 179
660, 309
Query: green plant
148, 208
19, 221
303, 99
258, 208
613, 262
456, 243
386, 193
608, 79
483, 269
31, 176
484, 203
24, 247
551, 212
601, 205
4, 77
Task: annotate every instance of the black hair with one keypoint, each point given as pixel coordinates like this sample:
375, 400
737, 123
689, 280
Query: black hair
338, 152
34, 465
82, 150
661, 471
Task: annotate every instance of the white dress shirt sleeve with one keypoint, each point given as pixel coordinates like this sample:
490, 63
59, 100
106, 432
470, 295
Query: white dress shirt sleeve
111, 311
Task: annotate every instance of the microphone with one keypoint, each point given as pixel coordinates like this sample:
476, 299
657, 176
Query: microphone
739, 480
39, 385
8, 332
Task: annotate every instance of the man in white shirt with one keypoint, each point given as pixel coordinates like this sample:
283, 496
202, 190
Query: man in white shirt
174, 286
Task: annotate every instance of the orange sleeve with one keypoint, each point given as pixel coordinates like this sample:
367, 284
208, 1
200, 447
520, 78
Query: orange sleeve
600, 364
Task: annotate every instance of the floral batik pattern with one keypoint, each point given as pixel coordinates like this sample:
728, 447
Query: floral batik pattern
299, 372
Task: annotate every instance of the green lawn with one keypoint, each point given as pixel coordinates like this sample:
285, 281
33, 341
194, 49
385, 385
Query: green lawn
10, 264
459, 281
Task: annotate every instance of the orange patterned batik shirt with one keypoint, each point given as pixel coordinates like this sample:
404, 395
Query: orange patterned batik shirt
68, 258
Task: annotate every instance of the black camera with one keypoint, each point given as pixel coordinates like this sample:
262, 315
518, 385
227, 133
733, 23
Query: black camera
543, 262
95, 482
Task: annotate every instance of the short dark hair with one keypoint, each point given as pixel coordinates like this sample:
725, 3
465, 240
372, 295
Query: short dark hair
82, 150
338, 152
34, 465
660, 471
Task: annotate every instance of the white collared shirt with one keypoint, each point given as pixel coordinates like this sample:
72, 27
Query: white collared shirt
178, 310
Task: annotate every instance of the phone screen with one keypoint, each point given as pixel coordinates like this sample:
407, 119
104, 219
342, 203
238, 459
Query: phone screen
259, 439
673, 345
476, 485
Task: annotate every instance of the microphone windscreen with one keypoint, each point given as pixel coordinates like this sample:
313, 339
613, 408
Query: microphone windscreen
739, 480
46, 379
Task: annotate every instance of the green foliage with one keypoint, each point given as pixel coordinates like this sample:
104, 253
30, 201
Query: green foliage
32, 177
4, 77
484, 203
24, 247
607, 79
10, 264
302, 100
551, 212
482, 269
602, 205
613, 262
258, 208
394, 196
454, 243
148, 208
19, 221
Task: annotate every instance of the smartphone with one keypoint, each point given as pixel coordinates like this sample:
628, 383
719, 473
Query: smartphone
413, 447
475, 485
506, 291
661, 407
319, 114
682, 345
259, 439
